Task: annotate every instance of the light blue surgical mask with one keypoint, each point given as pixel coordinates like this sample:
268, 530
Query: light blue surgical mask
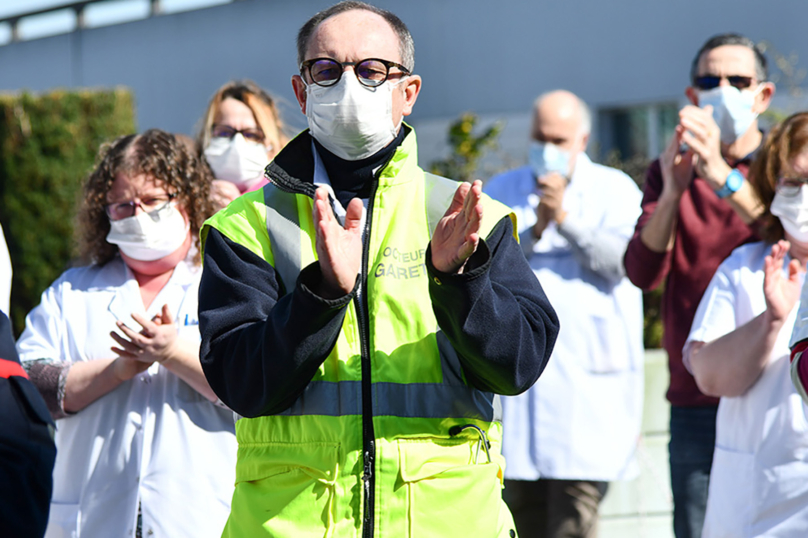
545, 158
732, 110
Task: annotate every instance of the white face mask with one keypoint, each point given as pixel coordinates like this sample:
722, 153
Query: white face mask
150, 236
545, 158
793, 214
732, 110
237, 160
350, 120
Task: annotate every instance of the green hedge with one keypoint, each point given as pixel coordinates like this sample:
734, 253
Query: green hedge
48, 144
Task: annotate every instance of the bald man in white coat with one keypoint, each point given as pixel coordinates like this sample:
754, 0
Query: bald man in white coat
577, 428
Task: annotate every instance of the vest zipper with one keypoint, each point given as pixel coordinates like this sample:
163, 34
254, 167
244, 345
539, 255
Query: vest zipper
368, 434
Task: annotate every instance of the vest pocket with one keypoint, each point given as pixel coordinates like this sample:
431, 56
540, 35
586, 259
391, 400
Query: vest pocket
451, 488
284, 489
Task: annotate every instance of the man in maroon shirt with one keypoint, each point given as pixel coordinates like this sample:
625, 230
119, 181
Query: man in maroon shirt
696, 208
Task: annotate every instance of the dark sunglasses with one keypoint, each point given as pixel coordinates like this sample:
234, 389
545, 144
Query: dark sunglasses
708, 82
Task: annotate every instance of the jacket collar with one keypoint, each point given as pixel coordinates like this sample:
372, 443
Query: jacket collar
292, 169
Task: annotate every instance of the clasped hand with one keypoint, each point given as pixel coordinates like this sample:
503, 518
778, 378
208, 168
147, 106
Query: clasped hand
698, 130
155, 342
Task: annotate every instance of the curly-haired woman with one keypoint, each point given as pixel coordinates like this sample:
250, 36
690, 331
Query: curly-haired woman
239, 134
143, 447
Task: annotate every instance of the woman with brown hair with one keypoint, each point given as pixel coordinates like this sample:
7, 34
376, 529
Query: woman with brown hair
114, 349
240, 133
738, 349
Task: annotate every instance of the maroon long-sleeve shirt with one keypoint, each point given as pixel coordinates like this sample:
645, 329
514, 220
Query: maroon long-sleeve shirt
707, 230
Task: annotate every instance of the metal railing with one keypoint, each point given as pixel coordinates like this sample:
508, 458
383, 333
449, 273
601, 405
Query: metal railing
155, 9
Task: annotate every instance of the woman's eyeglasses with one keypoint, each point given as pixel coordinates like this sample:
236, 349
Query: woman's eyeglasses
790, 186
225, 131
124, 210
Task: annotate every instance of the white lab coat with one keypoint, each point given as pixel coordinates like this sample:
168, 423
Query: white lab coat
5, 274
759, 478
582, 418
153, 439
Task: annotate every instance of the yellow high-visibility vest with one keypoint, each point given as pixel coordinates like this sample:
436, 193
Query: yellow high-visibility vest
411, 422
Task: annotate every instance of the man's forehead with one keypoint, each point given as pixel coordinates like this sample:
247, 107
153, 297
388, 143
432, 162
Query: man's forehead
354, 35
556, 113
719, 61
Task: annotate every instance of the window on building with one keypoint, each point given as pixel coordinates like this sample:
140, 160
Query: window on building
637, 131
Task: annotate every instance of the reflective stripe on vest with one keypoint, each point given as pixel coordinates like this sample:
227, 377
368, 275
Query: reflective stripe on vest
452, 398
11, 368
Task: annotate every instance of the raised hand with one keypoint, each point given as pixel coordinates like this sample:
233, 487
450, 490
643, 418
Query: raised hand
703, 136
457, 233
339, 249
676, 166
155, 342
222, 193
781, 292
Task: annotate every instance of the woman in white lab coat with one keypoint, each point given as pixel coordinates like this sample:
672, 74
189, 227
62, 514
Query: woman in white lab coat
142, 446
738, 350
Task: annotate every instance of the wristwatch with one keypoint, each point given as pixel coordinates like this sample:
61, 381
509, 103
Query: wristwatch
734, 181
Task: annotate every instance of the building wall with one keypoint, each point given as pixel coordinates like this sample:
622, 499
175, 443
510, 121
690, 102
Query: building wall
489, 57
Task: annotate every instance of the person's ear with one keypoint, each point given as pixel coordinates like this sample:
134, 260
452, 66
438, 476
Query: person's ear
411, 91
299, 88
764, 98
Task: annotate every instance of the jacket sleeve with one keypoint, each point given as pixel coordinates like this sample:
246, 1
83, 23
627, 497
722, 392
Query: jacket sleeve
645, 268
259, 350
496, 314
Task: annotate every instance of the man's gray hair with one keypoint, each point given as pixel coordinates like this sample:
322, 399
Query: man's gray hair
406, 45
583, 110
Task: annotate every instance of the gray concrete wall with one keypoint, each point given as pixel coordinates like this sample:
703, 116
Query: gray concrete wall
489, 57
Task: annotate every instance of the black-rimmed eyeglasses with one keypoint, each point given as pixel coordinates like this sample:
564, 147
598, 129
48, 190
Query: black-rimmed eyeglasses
371, 72
124, 210
708, 82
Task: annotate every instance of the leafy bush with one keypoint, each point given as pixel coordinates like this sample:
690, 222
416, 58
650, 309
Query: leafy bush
48, 144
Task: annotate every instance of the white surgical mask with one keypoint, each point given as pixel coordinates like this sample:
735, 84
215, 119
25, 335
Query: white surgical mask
350, 120
793, 214
545, 158
150, 236
237, 160
732, 110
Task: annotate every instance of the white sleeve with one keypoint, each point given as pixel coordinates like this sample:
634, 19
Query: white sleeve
716, 314
44, 328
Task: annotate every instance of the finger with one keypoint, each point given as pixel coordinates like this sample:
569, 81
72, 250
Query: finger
698, 129
167, 318
123, 353
125, 344
353, 215
458, 199
149, 328
472, 200
794, 270
696, 145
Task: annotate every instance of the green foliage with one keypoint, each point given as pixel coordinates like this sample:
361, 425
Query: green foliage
467, 148
48, 144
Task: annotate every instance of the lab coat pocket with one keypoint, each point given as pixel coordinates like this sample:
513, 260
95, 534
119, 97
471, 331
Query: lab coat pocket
451, 488
285, 489
63, 521
730, 501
